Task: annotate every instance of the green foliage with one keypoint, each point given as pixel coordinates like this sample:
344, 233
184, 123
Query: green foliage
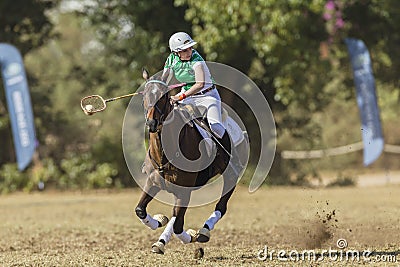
25, 24
135, 34
99, 135
11, 179
46, 172
342, 181
75, 172
81, 172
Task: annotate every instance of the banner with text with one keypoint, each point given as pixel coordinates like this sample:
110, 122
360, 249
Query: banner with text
19, 104
366, 100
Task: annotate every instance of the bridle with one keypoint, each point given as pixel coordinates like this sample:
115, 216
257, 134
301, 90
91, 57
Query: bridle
156, 124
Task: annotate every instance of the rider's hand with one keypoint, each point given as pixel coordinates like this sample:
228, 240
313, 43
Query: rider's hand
174, 99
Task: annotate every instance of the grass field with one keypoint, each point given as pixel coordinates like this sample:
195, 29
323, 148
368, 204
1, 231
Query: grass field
100, 229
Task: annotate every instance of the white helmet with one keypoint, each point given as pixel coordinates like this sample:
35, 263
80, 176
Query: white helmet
180, 41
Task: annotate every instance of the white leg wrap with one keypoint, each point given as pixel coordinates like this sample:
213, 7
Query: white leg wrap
150, 222
184, 237
167, 233
213, 219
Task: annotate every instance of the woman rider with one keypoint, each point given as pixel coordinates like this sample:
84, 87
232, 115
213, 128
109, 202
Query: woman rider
190, 68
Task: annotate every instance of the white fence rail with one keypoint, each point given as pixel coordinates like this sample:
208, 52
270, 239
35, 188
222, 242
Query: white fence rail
320, 153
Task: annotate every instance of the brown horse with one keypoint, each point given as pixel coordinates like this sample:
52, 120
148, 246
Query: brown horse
162, 118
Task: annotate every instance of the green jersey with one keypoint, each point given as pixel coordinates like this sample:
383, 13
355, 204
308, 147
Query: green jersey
184, 70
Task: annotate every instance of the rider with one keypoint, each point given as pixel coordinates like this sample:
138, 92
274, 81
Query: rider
190, 68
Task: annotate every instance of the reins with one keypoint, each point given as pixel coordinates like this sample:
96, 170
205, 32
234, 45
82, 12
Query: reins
162, 113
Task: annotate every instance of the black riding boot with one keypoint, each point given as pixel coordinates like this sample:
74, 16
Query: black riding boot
233, 157
225, 141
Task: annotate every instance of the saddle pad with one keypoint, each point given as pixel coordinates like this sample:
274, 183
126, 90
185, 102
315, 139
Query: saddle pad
234, 131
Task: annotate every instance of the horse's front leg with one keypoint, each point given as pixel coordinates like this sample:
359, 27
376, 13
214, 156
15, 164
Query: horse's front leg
180, 208
157, 220
175, 226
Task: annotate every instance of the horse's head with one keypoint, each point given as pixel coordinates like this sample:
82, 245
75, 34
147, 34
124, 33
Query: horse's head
155, 101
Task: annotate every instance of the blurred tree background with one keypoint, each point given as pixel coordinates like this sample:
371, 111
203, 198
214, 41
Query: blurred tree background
293, 50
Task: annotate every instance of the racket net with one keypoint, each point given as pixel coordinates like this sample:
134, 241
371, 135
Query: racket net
93, 103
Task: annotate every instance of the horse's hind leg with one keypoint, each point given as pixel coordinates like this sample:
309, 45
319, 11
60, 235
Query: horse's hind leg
230, 176
203, 234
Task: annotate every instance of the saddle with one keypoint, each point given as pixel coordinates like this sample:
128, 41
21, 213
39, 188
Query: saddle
236, 134
198, 116
191, 113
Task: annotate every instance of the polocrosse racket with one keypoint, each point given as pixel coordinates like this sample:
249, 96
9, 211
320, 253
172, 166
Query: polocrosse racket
95, 103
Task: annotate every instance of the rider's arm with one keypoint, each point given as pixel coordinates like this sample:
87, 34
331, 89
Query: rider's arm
197, 87
200, 78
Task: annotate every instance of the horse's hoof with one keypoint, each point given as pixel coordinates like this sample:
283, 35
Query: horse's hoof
203, 236
158, 248
193, 235
162, 219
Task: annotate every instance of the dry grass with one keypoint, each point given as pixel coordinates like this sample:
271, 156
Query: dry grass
100, 229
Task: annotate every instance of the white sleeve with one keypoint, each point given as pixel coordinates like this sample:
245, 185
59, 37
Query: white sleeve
198, 63
207, 74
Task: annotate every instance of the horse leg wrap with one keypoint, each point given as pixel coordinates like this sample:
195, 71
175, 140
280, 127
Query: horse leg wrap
184, 237
146, 219
167, 233
150, 222
140, 212
213, 219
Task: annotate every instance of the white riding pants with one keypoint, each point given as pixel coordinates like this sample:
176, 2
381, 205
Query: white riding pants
212, 102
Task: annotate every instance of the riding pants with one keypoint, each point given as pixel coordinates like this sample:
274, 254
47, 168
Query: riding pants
212, 102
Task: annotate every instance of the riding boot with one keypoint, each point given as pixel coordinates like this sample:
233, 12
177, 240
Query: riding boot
225, 142
233, 160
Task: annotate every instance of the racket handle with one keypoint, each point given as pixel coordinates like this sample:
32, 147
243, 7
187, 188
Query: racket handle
119, 97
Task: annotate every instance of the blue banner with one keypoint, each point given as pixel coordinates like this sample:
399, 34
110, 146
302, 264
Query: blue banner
19, 104
366, 100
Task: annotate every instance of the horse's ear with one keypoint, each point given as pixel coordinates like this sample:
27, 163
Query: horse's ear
145, 74
165, 75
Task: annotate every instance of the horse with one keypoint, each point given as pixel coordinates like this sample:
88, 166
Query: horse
163, 174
